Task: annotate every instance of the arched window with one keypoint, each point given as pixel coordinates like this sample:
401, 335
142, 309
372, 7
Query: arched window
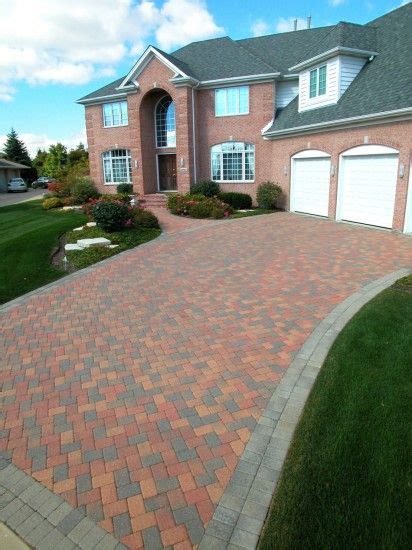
233, 161
165, 123
117, 166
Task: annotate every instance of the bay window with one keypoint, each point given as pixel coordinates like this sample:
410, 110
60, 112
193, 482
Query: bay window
233, 161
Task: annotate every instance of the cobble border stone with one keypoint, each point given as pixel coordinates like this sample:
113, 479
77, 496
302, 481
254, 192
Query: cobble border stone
248, 495
40, 526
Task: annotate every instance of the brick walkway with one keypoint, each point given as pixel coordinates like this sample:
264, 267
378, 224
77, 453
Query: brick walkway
131, 390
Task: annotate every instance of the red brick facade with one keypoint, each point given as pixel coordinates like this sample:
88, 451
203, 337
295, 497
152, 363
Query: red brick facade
272, 158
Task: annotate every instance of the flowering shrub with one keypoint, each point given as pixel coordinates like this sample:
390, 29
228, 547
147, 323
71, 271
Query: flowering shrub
59, 190
198, 206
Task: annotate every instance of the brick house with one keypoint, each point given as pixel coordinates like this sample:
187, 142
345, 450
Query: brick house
324, 112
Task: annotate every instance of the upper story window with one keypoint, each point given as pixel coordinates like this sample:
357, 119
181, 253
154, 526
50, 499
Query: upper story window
115, 114
232, 101
165, 123
233, 161
117, 166
317, 85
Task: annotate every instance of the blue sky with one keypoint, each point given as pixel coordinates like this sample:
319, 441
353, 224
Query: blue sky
56, 52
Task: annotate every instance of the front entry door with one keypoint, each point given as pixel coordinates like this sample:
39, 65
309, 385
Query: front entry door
167, 172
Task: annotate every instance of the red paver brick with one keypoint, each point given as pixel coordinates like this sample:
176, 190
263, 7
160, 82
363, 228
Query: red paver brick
211, 338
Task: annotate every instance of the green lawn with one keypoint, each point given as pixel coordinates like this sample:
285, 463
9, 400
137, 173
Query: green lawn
28, 235
346, 481
127, 238
254, 212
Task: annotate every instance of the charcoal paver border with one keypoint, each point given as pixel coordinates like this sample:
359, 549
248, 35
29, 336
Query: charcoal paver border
248, 495
41, 526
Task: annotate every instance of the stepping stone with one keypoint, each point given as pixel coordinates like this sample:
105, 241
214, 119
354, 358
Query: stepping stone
98, 241
78, 228
72, 207
91, 224
72, 246
113, 245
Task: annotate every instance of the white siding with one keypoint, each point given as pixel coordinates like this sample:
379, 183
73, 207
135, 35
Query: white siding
332, 87
285, 92
340, 72
349, 69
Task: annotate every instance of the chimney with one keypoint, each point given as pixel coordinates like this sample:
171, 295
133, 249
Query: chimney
309, 21
295, 25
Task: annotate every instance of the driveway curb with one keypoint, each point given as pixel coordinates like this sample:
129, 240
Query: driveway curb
240, 515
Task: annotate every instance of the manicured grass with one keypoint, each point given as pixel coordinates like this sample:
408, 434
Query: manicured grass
346, 481
128, 238
28, 235
254, 212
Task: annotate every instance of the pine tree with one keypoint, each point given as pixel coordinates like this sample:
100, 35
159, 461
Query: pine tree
15, 149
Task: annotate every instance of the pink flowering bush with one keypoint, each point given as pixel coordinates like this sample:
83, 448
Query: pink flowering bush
198, 206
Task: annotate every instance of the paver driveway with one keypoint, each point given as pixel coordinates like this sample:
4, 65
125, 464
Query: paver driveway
132, 389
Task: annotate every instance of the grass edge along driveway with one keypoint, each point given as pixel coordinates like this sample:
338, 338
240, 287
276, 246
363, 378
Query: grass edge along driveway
28, 235
346, 479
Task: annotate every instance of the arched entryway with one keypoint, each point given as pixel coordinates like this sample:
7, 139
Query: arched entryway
158, 142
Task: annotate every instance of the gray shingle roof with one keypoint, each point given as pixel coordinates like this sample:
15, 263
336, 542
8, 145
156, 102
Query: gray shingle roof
343, 35
285, 49
384, 84
108, 90
221, 58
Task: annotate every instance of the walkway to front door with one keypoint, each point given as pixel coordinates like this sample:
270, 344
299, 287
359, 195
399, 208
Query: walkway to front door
166, 164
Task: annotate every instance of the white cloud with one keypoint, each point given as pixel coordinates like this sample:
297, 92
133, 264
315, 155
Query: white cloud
336, 3
34, 142
287, 24
260, 27
74, 42
182, 21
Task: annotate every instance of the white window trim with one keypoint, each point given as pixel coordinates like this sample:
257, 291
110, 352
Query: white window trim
115, 125
128, 168
317, 69
237, 101
155, 126
221, 153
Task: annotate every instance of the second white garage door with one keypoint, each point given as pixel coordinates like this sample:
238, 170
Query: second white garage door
367, 188
310, 185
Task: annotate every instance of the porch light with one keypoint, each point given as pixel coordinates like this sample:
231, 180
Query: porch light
401, 170
182, 162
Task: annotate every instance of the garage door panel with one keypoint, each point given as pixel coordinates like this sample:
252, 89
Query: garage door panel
368, 189
310, 186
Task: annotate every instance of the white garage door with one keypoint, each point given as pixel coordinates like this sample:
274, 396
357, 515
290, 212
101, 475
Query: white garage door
367, 189
310, 186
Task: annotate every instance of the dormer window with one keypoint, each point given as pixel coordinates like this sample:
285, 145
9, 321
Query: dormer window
317, 81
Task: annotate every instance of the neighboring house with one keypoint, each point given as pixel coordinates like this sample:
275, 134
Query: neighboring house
8, 170
324, 112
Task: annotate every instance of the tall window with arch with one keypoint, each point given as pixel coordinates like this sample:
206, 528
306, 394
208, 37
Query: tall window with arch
165, 123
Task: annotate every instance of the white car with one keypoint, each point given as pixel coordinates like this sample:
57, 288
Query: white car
16, 185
